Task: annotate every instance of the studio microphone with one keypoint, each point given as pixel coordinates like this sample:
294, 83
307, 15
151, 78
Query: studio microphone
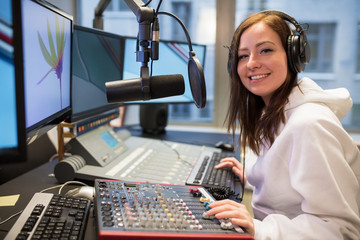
133, 89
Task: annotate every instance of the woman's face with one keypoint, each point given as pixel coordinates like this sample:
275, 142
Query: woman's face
262, 65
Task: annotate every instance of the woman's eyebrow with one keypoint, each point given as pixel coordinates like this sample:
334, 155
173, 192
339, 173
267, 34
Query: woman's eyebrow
257, 45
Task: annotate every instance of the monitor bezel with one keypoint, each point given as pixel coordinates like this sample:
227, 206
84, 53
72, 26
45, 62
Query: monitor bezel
110, 106
36, 130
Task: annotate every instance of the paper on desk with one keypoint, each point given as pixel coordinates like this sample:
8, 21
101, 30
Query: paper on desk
8, 201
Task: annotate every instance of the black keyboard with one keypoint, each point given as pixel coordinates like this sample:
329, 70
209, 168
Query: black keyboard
49, 216
204, 174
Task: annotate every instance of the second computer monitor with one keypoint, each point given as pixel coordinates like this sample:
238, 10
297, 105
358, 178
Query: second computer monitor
97, 58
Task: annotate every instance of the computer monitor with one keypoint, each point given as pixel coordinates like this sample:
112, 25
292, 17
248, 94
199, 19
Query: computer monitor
12, 119
47, 42
97, 58
173, 59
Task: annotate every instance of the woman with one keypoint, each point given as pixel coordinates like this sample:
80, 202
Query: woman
306, 178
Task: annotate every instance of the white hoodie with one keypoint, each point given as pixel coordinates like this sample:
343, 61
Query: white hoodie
306, 185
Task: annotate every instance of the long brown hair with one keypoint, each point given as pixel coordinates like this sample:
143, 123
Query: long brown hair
258, 123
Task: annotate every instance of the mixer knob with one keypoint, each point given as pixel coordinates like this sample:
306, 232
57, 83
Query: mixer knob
226, 225
130, 220
206, 216
158, 222
184, 223
171, 225
143, 221
105, 208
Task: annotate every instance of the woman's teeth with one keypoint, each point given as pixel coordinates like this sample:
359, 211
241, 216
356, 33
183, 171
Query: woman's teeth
258, 76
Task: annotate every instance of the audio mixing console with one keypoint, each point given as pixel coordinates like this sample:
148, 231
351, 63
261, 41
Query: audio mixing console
142, 210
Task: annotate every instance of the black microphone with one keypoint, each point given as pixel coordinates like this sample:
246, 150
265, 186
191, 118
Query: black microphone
132, 89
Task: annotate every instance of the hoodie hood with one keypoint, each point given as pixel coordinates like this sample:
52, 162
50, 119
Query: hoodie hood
338, 100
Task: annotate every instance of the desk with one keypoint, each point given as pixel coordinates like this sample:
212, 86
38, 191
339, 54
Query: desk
41, 177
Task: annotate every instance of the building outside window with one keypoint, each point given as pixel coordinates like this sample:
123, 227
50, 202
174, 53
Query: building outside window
321, 39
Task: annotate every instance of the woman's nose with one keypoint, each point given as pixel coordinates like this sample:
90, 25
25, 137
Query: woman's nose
253, 62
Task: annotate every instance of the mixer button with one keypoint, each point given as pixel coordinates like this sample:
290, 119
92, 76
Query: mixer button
105, 208
226, 225
108, 218
206, 216
108, 224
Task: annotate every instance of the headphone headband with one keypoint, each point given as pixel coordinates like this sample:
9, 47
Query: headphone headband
298, 49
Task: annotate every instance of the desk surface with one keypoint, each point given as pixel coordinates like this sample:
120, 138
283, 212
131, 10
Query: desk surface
42, 177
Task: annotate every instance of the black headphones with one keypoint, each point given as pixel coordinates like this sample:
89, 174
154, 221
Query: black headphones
298, 49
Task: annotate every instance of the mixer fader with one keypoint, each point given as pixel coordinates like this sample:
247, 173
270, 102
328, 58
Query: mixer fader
133, 210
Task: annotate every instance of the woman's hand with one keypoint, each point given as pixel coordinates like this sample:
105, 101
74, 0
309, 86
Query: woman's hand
235, 165
237, 212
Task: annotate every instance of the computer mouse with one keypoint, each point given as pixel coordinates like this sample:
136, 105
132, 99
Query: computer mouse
84, 191
225, 146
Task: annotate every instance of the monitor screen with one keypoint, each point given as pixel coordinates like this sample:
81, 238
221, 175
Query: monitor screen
173, 59
47, 40
97, 58
12, 121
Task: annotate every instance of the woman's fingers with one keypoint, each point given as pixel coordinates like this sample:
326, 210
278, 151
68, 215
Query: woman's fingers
237, 212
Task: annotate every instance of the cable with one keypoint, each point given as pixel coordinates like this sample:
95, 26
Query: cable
44, 190
182, 25
147, 3
158, 7
12, 216
62, 186
242, 156
177, 152
220, 193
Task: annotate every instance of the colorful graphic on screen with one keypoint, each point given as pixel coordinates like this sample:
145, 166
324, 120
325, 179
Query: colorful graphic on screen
54, 59
47, 62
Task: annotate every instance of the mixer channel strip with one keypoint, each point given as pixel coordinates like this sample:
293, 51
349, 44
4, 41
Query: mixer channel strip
129, 210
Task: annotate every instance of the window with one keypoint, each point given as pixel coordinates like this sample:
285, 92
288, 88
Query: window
183, 11
117, 5
321, 39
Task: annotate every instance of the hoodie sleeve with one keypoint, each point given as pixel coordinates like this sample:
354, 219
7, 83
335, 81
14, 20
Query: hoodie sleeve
324, 167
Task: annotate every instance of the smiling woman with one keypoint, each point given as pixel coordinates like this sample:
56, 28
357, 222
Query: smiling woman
277, 115
262, 65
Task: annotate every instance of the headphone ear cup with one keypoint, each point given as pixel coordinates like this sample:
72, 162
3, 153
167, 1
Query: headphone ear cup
298, 52
294, 54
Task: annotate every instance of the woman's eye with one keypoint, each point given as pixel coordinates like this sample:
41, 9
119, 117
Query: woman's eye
241, 57
266, 50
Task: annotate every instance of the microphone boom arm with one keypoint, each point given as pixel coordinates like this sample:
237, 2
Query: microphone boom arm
145, 17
